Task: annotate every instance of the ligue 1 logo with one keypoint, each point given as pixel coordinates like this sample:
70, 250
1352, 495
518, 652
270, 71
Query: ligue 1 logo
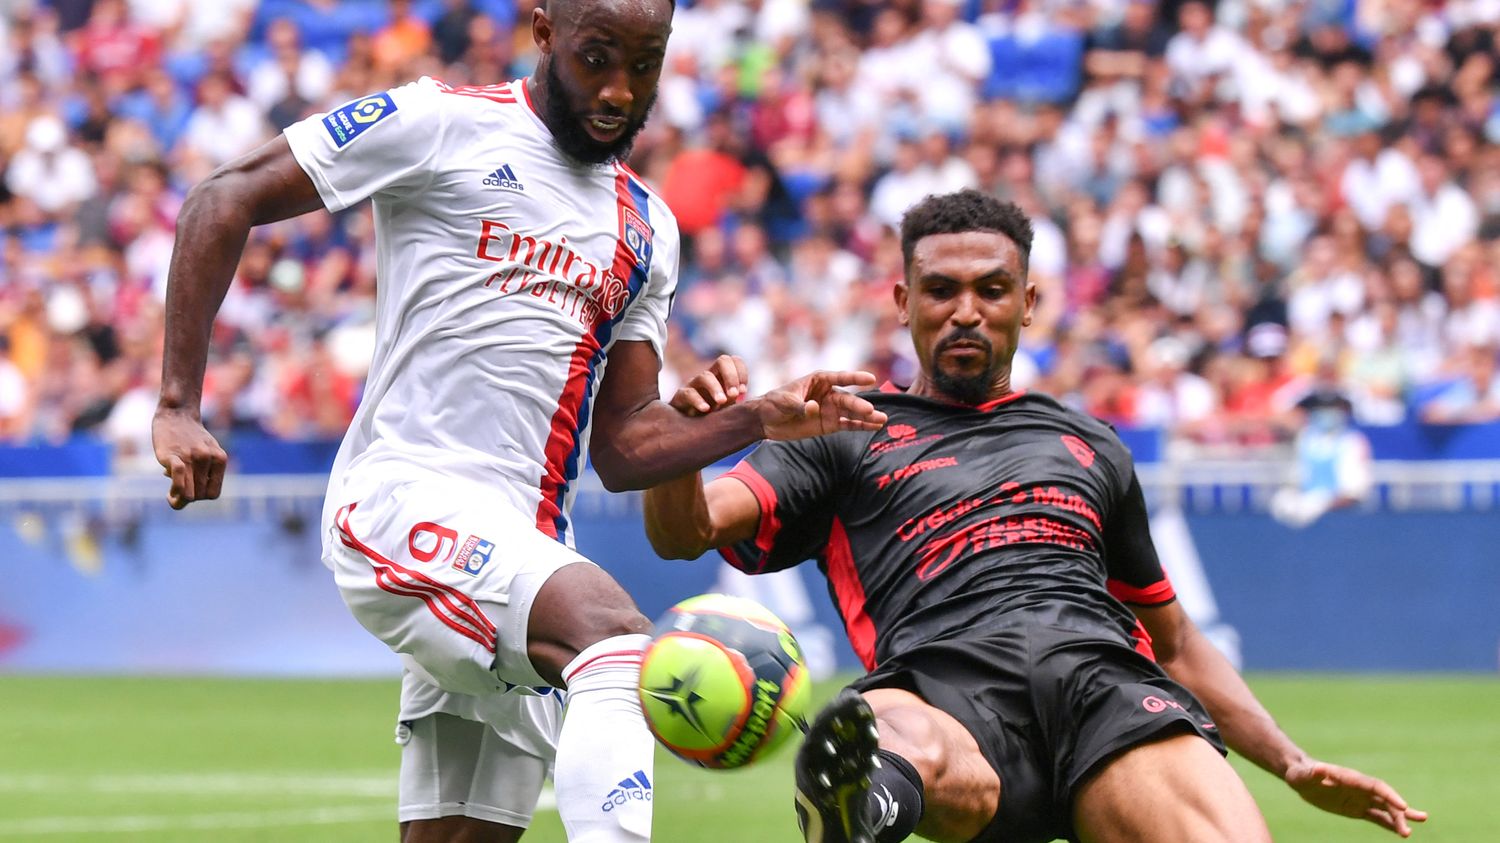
368, 110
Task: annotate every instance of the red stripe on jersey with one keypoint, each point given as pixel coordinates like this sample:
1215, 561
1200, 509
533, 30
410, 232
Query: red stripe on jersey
1143, 641
565, 421
1001, 401
466, 611
526, 94
1155, 594
494, 93
765, 496
850, 594
564, 433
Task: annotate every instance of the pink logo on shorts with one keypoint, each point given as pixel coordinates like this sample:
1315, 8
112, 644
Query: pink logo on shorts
1157, 705
473, 556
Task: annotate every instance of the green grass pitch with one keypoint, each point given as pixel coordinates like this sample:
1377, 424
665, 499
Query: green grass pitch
84, 759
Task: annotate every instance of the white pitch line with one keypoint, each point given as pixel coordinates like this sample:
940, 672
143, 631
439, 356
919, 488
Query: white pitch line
382, 786
198, 822
299, 783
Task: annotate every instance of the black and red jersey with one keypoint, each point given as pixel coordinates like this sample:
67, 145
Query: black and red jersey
952, 520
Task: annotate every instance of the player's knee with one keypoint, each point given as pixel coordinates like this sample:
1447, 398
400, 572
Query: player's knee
916, 736
579, 606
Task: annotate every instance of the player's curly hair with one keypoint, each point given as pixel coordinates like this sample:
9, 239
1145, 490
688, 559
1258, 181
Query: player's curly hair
966, 210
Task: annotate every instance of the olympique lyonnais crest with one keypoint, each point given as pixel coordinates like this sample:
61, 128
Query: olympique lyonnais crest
637, 235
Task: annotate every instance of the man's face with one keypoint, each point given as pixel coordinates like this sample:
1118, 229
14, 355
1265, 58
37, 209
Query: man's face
602, 62
965, 298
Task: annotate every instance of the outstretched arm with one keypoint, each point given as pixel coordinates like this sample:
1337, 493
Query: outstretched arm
262, 186
1249, 729
639, 441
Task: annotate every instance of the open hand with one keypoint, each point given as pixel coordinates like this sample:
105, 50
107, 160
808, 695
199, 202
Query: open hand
814, 405
1350, 793
189, 455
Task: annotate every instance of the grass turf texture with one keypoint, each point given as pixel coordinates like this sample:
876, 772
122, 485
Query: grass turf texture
250, 760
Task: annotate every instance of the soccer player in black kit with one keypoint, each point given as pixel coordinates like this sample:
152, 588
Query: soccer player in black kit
1031, 675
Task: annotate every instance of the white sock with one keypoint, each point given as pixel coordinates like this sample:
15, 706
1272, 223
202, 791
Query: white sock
604, 754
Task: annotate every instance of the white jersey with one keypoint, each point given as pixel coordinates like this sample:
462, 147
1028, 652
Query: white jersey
505, 273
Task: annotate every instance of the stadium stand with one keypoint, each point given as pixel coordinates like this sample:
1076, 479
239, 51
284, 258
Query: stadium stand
1226, 198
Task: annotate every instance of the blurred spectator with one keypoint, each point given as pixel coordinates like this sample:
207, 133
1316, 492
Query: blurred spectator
113, 48
289, 70
14, 402
1474, 397
1333, 462
451, 31
406, 37
701, 181
947, 58
224, 125
49, 172
1232, 201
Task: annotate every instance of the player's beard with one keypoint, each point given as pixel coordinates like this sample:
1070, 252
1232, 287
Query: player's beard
566, 120
964, 388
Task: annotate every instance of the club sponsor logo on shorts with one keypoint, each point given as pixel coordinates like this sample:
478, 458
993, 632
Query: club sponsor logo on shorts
350, 120
1156, 705
473, 556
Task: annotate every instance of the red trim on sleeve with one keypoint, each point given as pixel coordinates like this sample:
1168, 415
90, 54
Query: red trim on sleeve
850, 594
1155, 594
765, 496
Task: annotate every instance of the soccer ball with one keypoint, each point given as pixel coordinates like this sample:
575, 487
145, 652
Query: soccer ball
723, 682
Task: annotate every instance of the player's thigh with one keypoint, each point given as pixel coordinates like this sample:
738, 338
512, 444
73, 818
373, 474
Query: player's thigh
462, 781
576, 607
1176, 787
458, 830
960, 790
447, 574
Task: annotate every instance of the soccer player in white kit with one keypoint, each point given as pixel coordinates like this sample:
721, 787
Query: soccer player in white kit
518, 259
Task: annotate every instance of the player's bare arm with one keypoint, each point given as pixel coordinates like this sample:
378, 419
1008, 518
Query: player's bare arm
1249, 729
640, 441
264, 185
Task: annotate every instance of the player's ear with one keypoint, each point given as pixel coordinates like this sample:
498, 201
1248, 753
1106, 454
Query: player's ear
541, 29
1030, 303
900, 294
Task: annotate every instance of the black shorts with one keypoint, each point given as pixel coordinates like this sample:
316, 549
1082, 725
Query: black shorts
1046, 705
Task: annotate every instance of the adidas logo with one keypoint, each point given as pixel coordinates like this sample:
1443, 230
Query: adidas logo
504, 178
636, 788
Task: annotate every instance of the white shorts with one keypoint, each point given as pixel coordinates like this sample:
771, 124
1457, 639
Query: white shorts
452, 767
445, 573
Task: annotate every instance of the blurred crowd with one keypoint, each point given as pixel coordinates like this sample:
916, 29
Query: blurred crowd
1235, 204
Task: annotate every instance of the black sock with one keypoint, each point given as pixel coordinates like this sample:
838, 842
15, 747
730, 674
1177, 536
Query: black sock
895, 798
